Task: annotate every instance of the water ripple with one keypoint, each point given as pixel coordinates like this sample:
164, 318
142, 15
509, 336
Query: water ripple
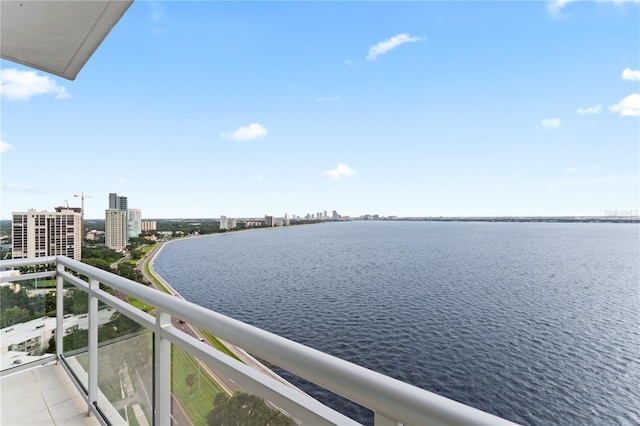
537, 323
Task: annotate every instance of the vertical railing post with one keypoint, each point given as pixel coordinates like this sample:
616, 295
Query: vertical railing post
93, 342
59, 311
162, 373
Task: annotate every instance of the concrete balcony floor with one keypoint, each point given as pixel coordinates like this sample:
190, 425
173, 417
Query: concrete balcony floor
42, 395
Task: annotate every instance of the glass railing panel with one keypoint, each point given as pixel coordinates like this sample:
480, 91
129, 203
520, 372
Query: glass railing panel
125, 371
201, 396
357, 412
27, 321
193, 388
75, 326
245, 408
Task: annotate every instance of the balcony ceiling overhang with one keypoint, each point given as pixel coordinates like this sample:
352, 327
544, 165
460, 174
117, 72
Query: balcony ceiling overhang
58, 37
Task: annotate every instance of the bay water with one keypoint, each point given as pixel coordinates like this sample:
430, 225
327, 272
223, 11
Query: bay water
538, 323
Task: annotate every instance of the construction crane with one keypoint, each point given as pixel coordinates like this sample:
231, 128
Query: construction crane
82, 197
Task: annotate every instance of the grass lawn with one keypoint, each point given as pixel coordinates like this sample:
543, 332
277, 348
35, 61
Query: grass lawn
155, 281
219, 346
140, 304
204, 390
41, 283
133, 421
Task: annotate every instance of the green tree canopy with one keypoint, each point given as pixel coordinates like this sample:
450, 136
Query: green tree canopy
244, 409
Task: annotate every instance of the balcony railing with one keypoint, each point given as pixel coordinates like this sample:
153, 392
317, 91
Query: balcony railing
109, 358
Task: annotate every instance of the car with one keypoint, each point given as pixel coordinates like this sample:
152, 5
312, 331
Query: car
181, 321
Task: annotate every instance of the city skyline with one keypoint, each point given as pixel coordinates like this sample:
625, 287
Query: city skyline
205, 109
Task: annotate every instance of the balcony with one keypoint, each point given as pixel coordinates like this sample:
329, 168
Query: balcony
154, 361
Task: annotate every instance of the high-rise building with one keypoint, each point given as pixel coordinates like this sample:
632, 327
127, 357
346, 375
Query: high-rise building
115, 228
227, 223
39, 234
116, 221
268, 221
223, 223
134, 223
117, 202
148, 225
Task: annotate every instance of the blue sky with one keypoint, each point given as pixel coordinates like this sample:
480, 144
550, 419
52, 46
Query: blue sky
202, 109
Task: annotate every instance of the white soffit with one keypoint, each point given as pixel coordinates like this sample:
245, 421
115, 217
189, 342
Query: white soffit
58, 37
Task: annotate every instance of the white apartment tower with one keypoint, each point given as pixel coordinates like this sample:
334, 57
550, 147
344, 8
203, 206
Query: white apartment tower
148, 225
39, 234
227, 223
134, 223
115, 228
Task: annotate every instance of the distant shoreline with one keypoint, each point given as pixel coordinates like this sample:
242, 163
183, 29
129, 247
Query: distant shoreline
579, 219
548, 219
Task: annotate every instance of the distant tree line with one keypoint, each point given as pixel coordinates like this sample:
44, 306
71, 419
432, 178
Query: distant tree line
103, 257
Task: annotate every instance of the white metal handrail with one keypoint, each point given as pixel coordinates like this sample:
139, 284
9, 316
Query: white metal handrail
392, 401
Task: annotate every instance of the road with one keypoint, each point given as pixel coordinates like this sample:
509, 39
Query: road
226, 383
143, 378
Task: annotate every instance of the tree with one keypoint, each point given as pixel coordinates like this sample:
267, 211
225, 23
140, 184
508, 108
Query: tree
190, 380
243, 409
13, 316
50, 301
103, 264
221, 399
51, 349
129, 271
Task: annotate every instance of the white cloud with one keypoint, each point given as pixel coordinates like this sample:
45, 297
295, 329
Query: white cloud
551, 123
631, 75
252, 131
629, 106
590, 110
22, 85
555, 6
20, 188
576, 169
4, 147
156, 11
340, 171
391, 43
327, 98
619, 2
